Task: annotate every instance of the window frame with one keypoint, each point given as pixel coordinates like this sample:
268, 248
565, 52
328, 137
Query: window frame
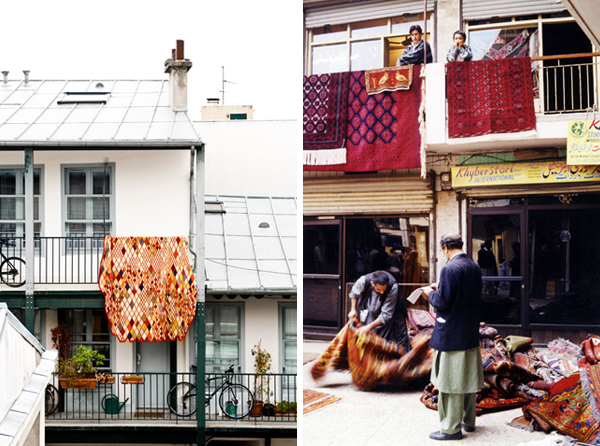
19, 183
384, 40
220, 367
89, 170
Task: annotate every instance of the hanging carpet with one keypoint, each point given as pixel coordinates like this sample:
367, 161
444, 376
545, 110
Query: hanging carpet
148, 286
325, 105
489, 96
388, 79
383, 130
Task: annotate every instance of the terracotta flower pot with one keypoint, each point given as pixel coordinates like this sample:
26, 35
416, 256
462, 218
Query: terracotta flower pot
78, 383
256, 410
132, 379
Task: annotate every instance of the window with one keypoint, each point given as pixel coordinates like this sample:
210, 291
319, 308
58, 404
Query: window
88, 201
560, 84
288, 316
361, 46
89, 328
223, 336
12, 202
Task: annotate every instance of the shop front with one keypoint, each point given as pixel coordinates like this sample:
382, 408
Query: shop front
387, 228
533, 229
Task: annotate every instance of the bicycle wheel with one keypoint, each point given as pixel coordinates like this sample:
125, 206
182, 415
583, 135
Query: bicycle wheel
52, 399
12, 272
236, 401
182, 399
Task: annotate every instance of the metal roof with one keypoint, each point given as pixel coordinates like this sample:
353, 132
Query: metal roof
251, 245
96, 113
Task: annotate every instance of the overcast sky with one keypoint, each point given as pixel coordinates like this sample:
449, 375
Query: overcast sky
258, 42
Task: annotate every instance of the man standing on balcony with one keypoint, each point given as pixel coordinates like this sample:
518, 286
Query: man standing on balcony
377, 302
457, 370
413, 55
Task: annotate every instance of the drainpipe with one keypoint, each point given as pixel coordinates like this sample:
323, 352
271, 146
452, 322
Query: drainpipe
193, 207
200, 274
29, 312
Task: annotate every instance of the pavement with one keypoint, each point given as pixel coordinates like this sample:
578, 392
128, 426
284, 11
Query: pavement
394, 416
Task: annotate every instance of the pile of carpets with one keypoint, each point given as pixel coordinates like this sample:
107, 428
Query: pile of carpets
373, 361
514, 375
572, 405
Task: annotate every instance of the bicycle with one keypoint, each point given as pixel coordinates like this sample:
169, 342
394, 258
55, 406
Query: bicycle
235, 400
52, 399
12, 269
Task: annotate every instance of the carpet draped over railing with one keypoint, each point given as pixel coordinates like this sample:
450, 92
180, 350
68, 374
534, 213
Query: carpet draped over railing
149, 287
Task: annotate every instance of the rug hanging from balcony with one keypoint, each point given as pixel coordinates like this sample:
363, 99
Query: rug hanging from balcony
489, 96
373, 361
383, 130
388, 79
148, 286
325, 105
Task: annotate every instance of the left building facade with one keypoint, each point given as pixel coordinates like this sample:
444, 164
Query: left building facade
96, 158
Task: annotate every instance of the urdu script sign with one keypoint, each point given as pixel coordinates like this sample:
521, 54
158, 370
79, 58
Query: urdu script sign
583, 142
557, 172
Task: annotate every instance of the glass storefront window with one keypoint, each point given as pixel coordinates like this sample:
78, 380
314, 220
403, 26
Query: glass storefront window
496, 247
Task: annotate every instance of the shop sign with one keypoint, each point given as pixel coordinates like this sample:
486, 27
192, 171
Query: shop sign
583, 142
557, 172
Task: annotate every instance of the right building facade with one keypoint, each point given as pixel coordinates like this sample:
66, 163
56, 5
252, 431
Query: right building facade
500, 149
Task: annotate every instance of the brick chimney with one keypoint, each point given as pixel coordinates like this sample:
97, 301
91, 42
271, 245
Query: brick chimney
177, 67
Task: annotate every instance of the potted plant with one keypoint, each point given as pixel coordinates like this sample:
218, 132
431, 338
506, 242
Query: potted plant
79, 372
262, 391
132, 379
286, 408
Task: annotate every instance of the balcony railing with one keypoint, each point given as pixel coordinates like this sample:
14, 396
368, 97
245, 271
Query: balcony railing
564, 87
60, 260
144, 397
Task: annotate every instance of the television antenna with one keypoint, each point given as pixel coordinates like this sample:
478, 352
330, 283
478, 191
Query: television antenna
223, 85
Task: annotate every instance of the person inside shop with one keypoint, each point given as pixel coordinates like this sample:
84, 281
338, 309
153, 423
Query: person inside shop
457, 370
460, 51
487, 262
377, 302
414, 54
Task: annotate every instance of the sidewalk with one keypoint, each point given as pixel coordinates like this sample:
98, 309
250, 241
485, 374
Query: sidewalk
392, 417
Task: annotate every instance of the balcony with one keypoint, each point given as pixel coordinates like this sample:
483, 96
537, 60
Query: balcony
563, 92
143, 398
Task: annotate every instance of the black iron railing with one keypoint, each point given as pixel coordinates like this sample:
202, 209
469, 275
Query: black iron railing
60, 260
145, 397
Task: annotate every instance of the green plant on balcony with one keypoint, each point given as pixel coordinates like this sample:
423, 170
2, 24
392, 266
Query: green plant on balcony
262, 366
286, 407
80, 370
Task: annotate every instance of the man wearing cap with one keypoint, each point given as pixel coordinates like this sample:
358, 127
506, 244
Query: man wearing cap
413, 55
377, 302
457, 370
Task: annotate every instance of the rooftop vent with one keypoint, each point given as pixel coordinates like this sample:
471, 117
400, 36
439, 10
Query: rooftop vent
84, 97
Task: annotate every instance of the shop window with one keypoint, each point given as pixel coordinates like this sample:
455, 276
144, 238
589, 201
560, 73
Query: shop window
223, 336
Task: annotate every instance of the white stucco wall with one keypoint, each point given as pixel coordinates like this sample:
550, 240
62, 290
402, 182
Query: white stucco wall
163, 209
251, 158
261, 324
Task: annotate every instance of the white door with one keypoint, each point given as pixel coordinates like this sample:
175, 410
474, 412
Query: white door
152, 360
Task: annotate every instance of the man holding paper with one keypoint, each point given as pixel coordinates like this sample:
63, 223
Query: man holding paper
377, 302
457, 371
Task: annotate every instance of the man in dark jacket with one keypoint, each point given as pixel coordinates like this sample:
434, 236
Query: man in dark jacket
415, 53
377, 302
457, 370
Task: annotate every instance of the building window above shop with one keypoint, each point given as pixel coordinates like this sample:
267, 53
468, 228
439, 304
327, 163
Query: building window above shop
223, 336
362, 45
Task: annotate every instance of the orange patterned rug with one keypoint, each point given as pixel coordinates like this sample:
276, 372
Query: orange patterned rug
314, 400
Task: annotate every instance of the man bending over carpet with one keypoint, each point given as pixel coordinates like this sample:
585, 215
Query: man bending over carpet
377, 302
